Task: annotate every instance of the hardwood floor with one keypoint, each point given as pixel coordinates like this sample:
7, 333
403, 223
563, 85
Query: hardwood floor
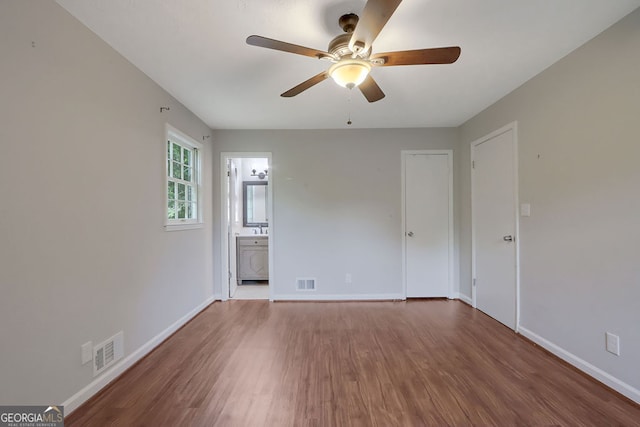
416, 363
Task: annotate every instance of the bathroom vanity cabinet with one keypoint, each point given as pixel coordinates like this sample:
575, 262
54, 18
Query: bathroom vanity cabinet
252, 258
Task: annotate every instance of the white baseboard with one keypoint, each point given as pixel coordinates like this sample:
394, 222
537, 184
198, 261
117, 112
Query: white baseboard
217, 297
593, 371
312, 296
72, 403
465, 299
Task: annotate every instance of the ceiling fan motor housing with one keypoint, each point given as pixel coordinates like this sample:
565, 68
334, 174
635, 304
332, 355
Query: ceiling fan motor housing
339, 46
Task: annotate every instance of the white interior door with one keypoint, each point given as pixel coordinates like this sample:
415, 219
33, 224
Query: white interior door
428, 225
494, 226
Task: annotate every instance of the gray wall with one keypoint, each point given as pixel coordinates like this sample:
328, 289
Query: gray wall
579, 151
84, 253
337, 205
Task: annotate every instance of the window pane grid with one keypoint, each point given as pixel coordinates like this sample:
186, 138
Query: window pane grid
180, 162
182, 194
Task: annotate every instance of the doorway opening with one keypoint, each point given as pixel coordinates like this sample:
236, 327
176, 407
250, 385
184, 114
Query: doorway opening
247, 226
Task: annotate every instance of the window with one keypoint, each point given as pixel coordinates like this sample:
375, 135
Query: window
183, 181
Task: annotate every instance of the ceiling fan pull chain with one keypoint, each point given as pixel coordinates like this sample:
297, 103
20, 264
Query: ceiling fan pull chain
349, 108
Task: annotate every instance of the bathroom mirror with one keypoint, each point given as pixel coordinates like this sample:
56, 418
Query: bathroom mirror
254, 210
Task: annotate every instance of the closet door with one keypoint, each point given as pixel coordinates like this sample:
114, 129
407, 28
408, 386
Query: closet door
428, 224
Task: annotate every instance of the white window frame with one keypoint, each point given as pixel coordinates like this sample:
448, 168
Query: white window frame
174, 135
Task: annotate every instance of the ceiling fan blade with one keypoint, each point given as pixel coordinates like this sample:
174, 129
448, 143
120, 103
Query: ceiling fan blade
371, 90
306, 85
439, 55
285, 47
375, 15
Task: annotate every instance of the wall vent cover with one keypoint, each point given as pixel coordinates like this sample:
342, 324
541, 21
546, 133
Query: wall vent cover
107, 353
306, 284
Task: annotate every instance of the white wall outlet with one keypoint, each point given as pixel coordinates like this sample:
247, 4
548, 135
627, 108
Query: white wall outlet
86, 351
613, 343
347, 278
525, 209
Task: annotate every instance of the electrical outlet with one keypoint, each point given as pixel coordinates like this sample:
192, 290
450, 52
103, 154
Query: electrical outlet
86, 352
347, 278
613, 343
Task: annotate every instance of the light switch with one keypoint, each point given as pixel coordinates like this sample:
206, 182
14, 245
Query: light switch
525, 209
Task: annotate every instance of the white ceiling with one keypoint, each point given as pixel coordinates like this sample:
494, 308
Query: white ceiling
196, 51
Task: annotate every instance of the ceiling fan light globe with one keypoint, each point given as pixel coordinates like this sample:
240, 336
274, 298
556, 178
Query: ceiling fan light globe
350, 72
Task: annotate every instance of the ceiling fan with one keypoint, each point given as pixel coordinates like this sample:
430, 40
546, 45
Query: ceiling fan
351, 53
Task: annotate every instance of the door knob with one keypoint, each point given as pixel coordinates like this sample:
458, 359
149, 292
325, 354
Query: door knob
410, 234
508, 238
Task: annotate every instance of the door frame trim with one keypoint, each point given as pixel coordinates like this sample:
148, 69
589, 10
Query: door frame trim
513, 126
452, 277
224, 244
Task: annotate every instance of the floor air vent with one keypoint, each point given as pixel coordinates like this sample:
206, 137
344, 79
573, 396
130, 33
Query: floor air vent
305, 284
107, 353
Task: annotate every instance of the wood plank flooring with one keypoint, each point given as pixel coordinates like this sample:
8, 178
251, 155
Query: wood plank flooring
415, 363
